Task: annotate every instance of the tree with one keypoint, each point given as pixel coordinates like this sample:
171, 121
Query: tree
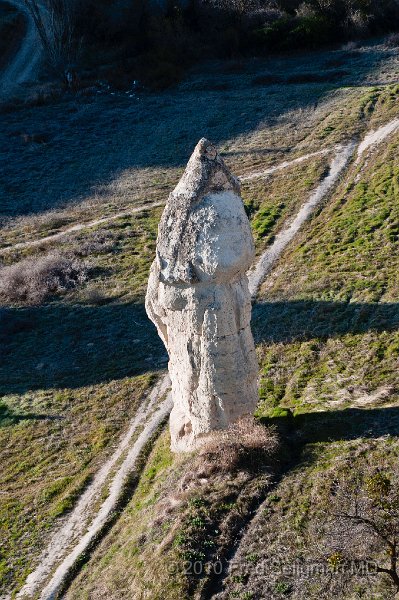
55, 21
240, 8
363, 523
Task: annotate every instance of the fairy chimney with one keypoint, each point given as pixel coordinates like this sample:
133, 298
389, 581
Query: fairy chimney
198, 298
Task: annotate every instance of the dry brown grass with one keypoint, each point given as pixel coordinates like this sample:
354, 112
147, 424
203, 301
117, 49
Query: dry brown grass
186, 509
310, 536
32, 280
245, 445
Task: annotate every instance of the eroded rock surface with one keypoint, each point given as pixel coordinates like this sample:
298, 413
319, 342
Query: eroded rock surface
199, 300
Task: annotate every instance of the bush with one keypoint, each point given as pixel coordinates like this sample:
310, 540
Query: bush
312, 24
32, 280
246, 445
163, 74
96, 242
312, 31
308, 31
392, 40
155, 42
350, 46
361, 520
56, 23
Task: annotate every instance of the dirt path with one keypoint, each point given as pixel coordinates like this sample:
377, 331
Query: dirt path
283, 165
78, 227
77, 529
373, 138
25, 64
77, 532
273, 253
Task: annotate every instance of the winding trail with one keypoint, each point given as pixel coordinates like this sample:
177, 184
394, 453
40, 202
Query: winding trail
283, 165
24, 67
79, 227
78, 533
76, 528
374, 138
56, 236
273, 253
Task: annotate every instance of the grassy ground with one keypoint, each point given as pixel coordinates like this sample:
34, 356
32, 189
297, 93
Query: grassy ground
326, 328
290, 539
73, 370
328, 322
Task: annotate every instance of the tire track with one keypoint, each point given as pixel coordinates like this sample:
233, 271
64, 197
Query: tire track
284, 165
76, 522
79, 227
77, 528
273, 253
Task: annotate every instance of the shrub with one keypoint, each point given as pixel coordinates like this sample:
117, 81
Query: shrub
96, 242
56, 22
163, 74
32, 280
273, 35
308, 31
312, 31
96, 296
361, 523
171, 45
245, 445
392, 40
350, 46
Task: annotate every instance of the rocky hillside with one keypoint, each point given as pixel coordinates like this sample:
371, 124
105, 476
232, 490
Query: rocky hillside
83, 183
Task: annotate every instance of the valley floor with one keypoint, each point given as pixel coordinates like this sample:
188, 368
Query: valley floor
76, 369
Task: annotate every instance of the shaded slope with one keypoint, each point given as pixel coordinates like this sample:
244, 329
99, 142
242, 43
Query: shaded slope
23, 67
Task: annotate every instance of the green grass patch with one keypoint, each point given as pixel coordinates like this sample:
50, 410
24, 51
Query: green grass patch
328, 330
